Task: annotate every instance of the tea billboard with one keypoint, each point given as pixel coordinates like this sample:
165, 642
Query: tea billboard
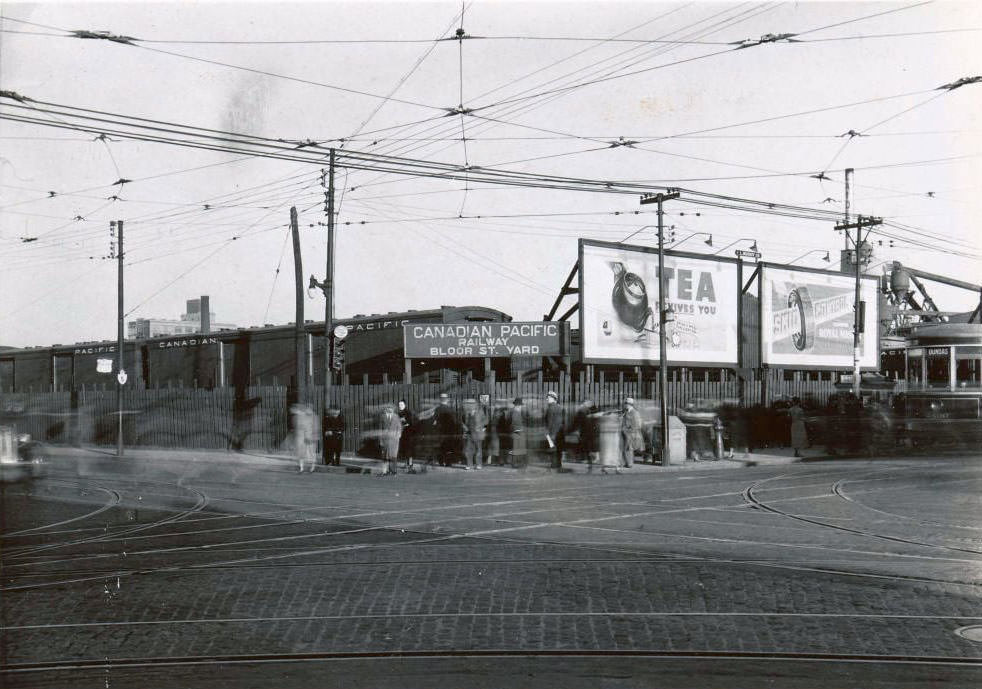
619, 306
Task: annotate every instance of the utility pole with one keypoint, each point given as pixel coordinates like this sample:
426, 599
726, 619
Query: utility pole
120, 371
662, 320
298, 338
858, 313
327, 180
329, 282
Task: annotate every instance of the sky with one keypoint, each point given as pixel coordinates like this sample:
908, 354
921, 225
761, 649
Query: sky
552, 89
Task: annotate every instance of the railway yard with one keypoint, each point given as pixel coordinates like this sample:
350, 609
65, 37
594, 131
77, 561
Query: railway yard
127, 573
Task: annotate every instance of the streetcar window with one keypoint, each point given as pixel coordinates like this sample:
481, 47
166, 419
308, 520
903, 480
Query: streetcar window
938, 367
915, 368
968, 366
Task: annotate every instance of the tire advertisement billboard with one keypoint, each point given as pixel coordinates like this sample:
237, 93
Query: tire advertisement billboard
807, 319
619, 306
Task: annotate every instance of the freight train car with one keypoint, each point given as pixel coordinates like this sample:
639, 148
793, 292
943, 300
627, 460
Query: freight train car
243, 356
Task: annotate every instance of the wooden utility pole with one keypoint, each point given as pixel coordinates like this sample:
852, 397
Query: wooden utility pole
298, 330
120, 371
858, 324
329, 282
662, 322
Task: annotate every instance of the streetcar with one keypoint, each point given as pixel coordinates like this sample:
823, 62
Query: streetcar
943, 400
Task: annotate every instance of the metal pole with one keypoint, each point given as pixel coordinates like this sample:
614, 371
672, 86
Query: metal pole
849, 172
662, 340
856, 314
119, 336
298, 338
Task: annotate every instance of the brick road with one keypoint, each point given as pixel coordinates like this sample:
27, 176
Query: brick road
831, 559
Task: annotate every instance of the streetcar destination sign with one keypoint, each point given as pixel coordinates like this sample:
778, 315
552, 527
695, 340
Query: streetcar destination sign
479, 340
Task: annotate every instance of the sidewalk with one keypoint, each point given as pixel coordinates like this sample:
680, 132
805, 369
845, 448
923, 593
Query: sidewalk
350, 463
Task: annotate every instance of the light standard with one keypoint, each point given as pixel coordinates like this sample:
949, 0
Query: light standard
813, 251
664, 317
753, 247
707, 242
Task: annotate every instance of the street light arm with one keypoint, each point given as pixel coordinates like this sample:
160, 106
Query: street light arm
695, 234
734, 243
638, 231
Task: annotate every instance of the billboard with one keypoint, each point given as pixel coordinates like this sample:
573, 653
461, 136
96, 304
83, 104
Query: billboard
479, 340
807, 318
619, 306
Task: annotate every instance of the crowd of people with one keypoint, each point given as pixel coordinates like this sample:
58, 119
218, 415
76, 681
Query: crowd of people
517, 433
506, 433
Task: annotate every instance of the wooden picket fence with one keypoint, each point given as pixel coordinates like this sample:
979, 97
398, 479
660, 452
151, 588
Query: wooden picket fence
206, 419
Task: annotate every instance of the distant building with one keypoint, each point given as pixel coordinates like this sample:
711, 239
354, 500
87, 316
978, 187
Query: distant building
190, 322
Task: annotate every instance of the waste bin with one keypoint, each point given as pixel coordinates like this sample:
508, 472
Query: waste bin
676, 440
609, 432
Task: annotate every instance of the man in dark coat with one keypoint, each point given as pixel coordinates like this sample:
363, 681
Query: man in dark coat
554, 429
447, 430
333, 436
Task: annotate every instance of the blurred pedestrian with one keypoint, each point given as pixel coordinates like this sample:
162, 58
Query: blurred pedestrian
333, 436
632, 438
390, 428
407, 439
475, 425
303, 435
518, 453
498, 444
554, 429
799, 433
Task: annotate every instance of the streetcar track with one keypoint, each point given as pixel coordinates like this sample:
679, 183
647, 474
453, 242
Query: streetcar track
114, 499
534, 613
394, 655
750, 497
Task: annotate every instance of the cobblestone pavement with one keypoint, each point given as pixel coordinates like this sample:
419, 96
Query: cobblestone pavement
827, 574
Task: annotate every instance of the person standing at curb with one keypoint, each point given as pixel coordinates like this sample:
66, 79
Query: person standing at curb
333, 436
475, 424
799, 433
447, 429
554, 429
390, 429
407, 441
632, 439
303, 435
519, 458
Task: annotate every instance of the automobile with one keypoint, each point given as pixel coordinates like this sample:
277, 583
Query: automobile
20, 456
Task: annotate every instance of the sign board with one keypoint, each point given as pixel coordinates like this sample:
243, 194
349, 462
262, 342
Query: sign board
479, 340
750, 254
121, 377
619, 306
807, 319
104, 365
